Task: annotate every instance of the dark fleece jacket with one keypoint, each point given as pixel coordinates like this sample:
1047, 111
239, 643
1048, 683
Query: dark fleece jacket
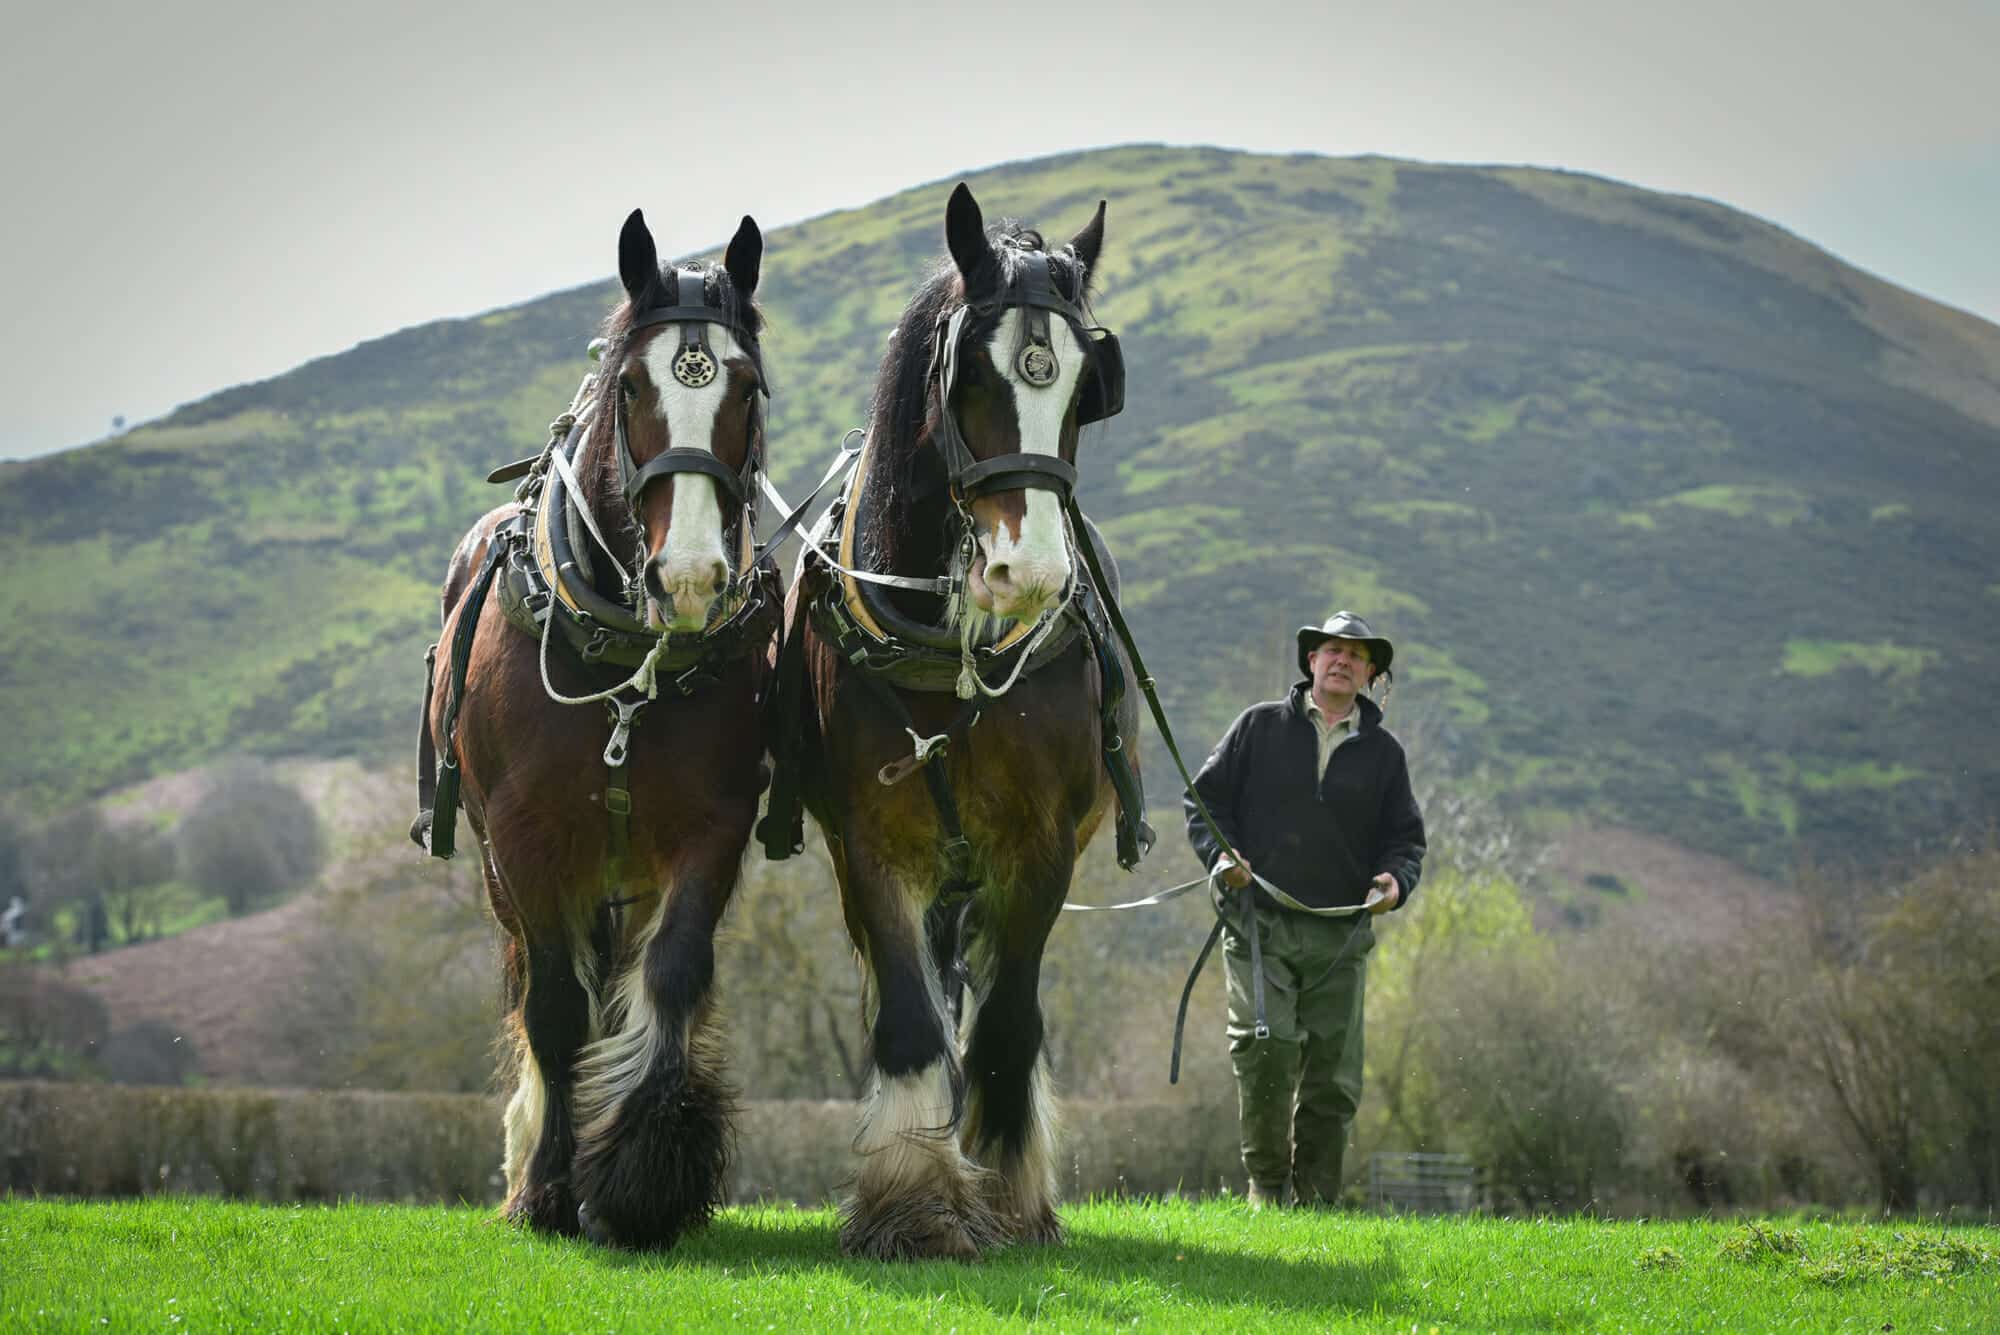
1320, 842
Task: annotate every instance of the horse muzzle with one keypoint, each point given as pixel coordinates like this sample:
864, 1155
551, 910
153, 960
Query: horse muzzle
1016, 588
682, 594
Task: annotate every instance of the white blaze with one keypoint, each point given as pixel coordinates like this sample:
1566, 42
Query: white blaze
1040, 557
694, 534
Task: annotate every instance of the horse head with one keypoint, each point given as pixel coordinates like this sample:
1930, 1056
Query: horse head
1017, 368
681, 384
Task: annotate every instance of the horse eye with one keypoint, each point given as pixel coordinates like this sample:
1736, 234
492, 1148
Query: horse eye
627, 388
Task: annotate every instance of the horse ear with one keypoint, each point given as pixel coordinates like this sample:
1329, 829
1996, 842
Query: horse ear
638, 259
1087, 243
744, 257
965, 234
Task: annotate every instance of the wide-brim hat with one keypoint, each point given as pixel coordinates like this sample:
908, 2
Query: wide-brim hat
1345, 626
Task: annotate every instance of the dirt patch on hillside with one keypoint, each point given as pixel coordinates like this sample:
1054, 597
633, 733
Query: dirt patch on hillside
1614, 875
217, 986
220, 985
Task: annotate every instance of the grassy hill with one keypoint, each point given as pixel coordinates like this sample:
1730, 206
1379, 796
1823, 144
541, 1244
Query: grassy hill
1678, 522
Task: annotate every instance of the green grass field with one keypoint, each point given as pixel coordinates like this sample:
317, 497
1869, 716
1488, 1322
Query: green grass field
197, 1264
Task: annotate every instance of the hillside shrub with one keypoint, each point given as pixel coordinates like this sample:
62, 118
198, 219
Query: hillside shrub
148, 1053
49, 1029
318, 1145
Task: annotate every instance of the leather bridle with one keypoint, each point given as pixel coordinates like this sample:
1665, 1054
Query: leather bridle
694, 365
1033, 289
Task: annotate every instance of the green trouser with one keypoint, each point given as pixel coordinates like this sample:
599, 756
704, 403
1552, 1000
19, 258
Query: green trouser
1297, 1089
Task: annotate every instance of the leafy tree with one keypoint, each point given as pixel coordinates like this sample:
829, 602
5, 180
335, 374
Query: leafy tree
252, 838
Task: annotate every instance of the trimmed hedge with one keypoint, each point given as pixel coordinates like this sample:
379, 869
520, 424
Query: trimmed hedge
311, 1145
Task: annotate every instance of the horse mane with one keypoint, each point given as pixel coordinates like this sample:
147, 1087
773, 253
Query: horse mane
902, 417
597, 470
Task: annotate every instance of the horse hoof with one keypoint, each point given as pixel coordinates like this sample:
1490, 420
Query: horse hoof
922, 1234
1044, 1229
544, 1209
593, 1228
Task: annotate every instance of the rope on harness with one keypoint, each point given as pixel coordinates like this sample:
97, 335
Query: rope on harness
969, 680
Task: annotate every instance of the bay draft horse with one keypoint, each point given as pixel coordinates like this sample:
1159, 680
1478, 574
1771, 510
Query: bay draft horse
620, 1120
957, 1135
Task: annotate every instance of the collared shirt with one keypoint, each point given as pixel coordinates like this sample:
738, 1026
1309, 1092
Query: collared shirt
1331, 734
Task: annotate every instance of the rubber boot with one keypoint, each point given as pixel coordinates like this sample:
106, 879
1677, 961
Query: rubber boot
1267, 1075
1317, 1169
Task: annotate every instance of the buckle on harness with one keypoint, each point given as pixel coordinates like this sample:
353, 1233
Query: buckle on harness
624, 715
924, 748
693, 679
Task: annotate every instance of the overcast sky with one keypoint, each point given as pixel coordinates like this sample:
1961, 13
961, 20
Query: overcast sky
200, 194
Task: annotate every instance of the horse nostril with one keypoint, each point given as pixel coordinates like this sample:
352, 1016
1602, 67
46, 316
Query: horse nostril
719, 580
999, 577
654, 585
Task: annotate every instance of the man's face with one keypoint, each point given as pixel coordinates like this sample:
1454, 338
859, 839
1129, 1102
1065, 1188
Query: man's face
1341, 667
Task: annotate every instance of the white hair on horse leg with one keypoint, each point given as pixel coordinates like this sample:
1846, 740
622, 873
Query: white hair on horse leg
1030, 1189
614, 1065
1021, 1185
906, 1108
523, 1120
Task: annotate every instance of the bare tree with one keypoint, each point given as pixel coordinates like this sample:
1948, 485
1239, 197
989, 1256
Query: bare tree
1530, 1059
251, 838
397, 984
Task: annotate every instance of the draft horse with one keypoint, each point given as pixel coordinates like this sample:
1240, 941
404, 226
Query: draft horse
611, 838
955, 636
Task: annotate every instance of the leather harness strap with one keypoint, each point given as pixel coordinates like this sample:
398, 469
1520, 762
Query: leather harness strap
440, 833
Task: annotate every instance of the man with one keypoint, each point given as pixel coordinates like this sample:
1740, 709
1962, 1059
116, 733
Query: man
1314, 796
